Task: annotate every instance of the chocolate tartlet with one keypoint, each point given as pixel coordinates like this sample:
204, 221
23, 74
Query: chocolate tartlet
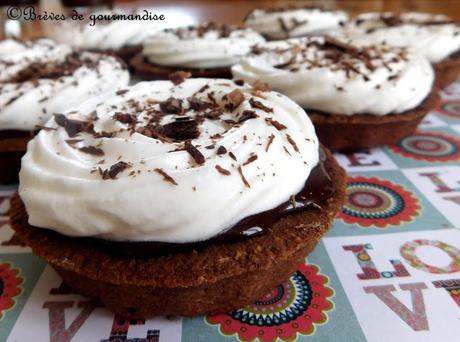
13, 144
207, 50
277, 23
110, 34
447, 71
41, 78
435, 36
190, 283
357, 97
365, 131
183, 201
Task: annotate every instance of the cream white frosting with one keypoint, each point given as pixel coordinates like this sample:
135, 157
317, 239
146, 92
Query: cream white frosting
197, 47
422, 33
62, 191
315, 76
27, 104
104, 35
295, 22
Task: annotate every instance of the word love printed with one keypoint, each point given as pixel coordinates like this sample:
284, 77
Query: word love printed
410, 281
53, 313
441, 185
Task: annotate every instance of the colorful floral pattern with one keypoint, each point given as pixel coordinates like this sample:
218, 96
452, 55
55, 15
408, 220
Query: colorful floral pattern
429, 146
10, 287
450, 108
376, 202
295, 307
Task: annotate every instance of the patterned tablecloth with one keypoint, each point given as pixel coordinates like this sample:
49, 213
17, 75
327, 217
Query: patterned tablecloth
389, 269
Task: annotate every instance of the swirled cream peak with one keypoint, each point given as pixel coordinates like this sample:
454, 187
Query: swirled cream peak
326, 74
204, 46
165, 162
103, 35
434, 36
39, 78
287, 22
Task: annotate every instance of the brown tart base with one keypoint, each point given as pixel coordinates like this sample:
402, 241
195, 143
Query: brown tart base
124, 53
186, 284
13, 145
447, 71
363, 131
150, 72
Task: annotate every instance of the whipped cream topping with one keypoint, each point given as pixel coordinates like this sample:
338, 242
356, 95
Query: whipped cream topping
40, 78
165, 162
204, 46
282, 23
326, 74
434, 36
104, 35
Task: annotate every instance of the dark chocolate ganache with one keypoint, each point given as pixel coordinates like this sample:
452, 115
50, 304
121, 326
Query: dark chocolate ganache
8, 134
318, 188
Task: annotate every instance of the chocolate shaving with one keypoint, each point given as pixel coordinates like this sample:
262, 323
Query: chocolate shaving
270, 140
292, 142
283, 65
195, 153
45, 128
179, 76
350, 66
121, 92
260, 86
286, 150
259, 105
95, 151
114, 170
124, 118
182, 129
152, 131
278, 125
391, 20
73, 127
10, 101
221, 150
172, 106
166, 177
40, 70
239, 82
104, 134
283, 25
358, 53
73, 141
232, 155
213, 114
222, 30
240, 171
223, 171
93, 116
203, 88
216, 136
246, 115
200, 105
250, 159
234, 98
